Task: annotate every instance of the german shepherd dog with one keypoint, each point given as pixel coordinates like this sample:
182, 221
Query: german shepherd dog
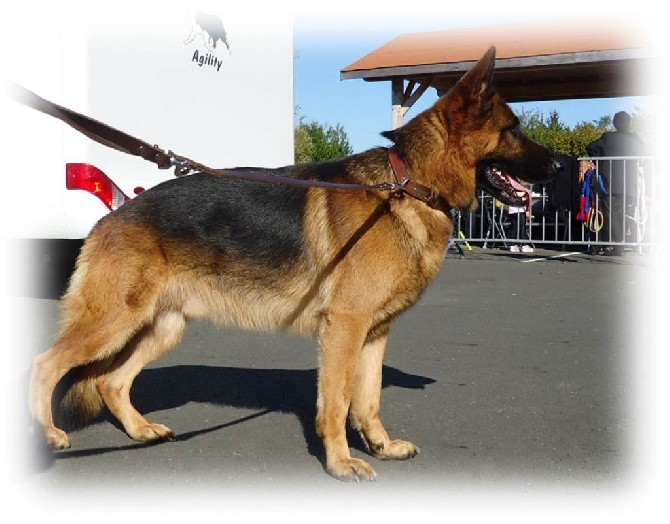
336, 264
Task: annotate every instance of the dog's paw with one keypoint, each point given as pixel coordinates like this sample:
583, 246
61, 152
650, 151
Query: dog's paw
352, 470
396, 450
151, 432
57, 438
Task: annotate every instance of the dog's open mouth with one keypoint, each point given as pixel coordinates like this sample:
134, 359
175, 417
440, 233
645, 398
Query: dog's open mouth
493, 179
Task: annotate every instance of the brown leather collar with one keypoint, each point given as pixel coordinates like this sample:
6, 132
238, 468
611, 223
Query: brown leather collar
409, 186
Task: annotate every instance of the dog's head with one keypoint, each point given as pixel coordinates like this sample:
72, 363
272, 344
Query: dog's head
472, 139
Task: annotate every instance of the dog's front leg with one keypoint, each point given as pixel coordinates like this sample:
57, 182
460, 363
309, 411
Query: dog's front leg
340, 341
365, 404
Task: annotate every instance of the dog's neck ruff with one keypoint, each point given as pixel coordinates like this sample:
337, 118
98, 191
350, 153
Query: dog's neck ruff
409, 186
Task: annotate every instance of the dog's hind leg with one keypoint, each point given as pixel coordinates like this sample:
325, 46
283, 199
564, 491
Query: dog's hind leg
80, 344
111, 297
365, 403
114, 386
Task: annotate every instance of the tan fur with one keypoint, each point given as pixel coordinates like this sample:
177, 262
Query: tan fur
367, 257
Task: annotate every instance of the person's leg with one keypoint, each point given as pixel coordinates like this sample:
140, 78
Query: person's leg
617, 217
514, 232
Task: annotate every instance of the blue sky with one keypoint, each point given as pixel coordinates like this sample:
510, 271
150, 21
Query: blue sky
325, 43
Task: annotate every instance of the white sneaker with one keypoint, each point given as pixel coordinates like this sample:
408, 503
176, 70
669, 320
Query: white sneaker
527, 249
514, 249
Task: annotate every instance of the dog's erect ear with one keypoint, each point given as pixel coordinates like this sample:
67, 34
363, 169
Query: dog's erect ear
480, 77
477, 83
485, 67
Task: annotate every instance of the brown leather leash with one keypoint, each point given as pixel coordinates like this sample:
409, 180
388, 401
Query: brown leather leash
111, 137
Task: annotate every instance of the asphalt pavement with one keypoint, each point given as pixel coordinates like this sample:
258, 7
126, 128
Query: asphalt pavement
513, 374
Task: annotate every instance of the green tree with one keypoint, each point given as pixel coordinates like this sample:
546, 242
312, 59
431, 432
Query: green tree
552, 133
584, 133
316, 142
302, 145
549, 131
642, 122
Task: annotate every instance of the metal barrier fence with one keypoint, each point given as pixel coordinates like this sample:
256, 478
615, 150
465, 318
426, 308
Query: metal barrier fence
595, 203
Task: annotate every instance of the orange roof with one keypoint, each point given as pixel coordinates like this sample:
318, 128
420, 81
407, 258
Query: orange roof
530, 51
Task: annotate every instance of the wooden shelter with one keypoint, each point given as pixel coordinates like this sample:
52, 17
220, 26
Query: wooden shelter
567, 59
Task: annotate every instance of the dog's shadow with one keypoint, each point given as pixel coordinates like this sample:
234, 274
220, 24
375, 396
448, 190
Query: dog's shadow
265, 390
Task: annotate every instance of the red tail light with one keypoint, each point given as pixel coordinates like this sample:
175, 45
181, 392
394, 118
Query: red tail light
90, 178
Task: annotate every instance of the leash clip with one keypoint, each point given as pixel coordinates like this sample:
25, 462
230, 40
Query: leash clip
392, 186
182, 166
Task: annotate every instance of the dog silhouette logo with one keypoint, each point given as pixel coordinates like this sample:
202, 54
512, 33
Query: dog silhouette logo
209, 27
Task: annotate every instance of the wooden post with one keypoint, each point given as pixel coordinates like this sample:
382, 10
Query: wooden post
402, 99
397, 114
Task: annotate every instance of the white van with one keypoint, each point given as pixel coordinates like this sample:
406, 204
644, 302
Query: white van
209, 80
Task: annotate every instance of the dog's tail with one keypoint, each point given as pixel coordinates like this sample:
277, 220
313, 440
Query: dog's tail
77, 402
